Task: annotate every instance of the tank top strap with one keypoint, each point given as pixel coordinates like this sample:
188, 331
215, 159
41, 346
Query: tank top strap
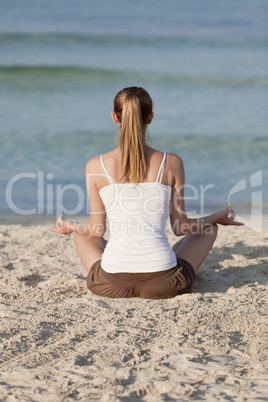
161, 169
104, 168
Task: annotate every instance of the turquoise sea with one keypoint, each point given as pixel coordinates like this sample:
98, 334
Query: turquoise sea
205, 64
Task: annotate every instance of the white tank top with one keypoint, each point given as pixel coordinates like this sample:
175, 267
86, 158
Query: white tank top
137, 216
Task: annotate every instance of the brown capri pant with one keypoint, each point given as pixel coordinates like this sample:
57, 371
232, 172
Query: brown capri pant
150, 285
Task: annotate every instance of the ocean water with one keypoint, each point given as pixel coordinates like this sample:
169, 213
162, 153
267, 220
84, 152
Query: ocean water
204, 63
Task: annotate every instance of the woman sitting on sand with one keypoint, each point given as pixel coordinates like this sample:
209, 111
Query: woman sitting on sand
137, 188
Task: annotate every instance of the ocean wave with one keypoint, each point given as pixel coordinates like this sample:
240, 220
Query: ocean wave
146, 40
51, 73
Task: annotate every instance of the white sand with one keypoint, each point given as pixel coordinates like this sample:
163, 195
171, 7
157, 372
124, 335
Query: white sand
61, 343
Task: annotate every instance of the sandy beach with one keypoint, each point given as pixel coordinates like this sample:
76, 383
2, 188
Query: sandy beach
61, 343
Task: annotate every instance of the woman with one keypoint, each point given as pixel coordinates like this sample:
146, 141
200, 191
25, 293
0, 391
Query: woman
137, 188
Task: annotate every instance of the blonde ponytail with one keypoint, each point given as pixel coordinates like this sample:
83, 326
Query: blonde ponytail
132, 143
133, 106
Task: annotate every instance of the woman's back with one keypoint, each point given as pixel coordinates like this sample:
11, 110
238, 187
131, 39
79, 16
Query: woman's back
111, 161
137, 215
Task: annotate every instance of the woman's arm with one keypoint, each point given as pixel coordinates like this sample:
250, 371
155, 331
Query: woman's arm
97, 223
180, 223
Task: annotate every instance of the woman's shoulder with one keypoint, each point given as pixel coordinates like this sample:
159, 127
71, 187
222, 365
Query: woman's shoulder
173, 165
174, 158
94, 163
174, 161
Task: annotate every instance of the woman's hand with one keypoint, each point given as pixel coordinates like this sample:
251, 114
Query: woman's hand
63, 226
226, 217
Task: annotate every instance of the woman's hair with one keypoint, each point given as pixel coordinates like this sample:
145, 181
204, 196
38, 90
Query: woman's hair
132, 107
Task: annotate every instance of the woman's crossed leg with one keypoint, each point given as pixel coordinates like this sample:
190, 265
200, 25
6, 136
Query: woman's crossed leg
89, 249
194, 248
